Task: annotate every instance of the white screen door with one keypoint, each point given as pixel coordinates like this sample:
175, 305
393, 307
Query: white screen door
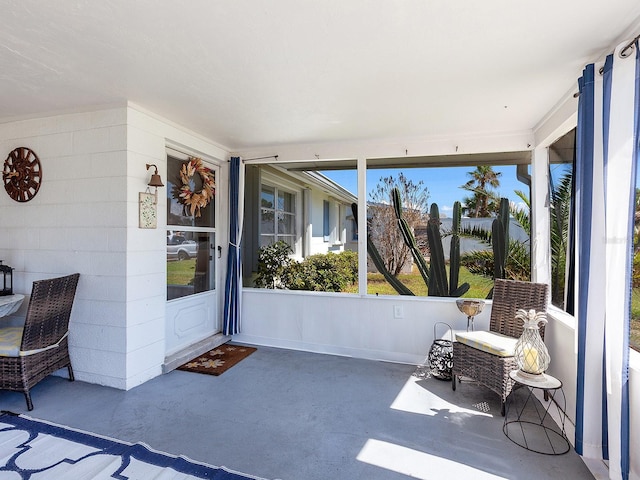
192, 253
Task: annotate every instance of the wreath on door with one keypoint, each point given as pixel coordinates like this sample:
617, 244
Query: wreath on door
195, 200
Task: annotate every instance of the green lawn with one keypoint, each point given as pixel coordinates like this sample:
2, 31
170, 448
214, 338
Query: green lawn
480, 286
181, 272
376, 284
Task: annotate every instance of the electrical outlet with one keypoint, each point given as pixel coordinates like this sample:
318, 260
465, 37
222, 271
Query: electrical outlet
397, 311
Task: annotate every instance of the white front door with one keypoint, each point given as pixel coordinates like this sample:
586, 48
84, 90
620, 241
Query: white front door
192, 255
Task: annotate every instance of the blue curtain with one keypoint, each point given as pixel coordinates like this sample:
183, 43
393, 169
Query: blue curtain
233, 284
606, 157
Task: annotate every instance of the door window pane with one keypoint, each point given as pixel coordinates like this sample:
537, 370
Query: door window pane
191, 238
190, 265
177, 212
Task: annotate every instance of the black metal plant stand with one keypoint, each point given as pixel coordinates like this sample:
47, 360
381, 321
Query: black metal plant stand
528, 423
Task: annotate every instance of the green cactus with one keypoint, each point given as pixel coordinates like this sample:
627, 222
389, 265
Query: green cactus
500, 239
454, 250
408, 237
434, 274
376, 258
439, 285
496, 262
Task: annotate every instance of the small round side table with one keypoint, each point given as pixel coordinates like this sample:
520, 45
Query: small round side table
528, 422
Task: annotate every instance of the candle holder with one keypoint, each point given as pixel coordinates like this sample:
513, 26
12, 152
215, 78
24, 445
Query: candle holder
470, 307
530, 352
441, 355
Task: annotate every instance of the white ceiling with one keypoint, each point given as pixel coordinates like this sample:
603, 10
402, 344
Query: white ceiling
249, 73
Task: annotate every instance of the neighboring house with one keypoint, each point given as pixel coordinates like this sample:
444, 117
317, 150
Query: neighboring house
467, 244
305, 209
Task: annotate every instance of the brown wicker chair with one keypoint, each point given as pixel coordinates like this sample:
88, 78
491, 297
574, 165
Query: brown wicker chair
41, 347
490, 370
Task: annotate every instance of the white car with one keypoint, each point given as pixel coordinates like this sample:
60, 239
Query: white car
180, 248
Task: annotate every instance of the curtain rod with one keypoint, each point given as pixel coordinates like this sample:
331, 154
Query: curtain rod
258, 158
623, 52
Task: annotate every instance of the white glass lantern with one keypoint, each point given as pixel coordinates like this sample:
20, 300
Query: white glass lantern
530, 351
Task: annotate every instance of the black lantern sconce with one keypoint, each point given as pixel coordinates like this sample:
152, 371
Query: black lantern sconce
7, 280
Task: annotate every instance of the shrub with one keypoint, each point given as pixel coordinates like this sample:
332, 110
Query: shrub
480, 262
273, 265
329, 272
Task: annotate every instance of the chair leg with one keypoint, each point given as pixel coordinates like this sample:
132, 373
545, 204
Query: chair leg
71, 377
502, 407
27, 395
453, 383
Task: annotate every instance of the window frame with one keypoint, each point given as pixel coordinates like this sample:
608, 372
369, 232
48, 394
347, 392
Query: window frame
279, 185
211, 232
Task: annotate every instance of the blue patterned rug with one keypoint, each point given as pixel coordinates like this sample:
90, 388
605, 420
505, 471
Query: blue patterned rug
34, 449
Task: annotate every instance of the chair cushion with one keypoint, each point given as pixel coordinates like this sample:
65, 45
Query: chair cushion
490, 342
10, 339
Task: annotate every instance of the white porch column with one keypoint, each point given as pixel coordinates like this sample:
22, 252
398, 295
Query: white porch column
540, 221
362, 225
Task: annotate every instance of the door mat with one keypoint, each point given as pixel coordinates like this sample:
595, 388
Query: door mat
218, 360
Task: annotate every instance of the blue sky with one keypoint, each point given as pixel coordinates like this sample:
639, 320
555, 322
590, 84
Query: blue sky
443, 183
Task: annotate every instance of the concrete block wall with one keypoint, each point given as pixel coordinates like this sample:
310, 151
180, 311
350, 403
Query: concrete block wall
147, 139
85, 219
385, 327
76, 223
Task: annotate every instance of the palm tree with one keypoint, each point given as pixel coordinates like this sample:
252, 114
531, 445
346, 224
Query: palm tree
518, 260
473, 205
560, 217
560, 210
518, 264
483, 201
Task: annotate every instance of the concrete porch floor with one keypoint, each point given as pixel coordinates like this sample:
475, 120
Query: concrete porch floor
290, 415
